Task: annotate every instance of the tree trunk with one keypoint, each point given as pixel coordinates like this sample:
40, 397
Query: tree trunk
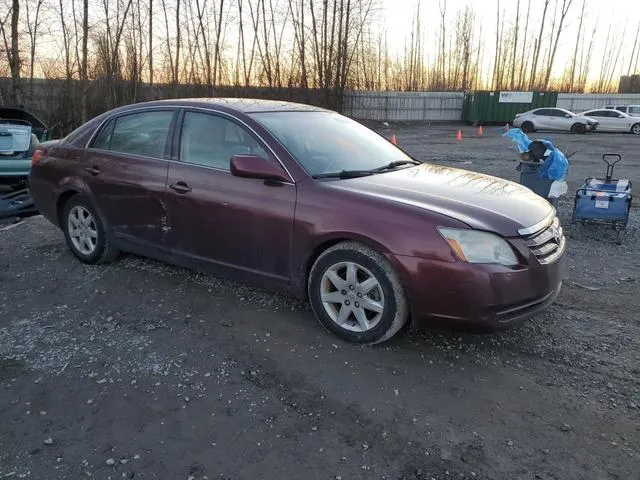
536, 54
523, 56
515, 48
83, 69
150, 43
566, 4
14, 57
575, 51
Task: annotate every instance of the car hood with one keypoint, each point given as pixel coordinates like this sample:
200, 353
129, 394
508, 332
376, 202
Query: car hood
481, 201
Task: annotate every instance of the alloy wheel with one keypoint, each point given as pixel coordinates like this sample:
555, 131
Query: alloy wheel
82, 230
352, 296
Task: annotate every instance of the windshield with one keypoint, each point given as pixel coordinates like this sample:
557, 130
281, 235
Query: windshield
324, 142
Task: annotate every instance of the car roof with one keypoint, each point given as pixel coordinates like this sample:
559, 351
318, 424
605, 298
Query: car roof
245, 105
603, 109
550, 108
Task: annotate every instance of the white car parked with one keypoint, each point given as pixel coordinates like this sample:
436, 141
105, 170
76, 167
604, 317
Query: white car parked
554, 119
614, 121
633, 110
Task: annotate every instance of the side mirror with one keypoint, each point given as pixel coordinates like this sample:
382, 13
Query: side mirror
252, 166
566, 115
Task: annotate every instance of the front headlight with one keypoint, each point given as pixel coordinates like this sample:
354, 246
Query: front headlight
479, 247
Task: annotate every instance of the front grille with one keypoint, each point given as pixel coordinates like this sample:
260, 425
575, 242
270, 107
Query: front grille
548, 244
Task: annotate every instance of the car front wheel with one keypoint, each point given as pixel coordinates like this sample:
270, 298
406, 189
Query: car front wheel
636, 129
85, 233
527, 127
578, 128
356, 294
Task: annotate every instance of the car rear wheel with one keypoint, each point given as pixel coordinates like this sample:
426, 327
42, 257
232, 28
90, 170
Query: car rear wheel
85, 233
578, 128
635, 129
356, 294
527, 127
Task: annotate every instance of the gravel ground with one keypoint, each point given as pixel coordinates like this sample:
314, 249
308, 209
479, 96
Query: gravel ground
143, 370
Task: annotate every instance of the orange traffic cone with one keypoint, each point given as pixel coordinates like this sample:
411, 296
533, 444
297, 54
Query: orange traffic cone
480, 131
459, 136
393, 138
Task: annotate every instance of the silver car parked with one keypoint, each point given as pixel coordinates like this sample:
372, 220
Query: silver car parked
554, 119
614, 121
632, 110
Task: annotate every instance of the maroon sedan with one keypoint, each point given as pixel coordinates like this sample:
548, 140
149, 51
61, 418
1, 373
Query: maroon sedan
308, 201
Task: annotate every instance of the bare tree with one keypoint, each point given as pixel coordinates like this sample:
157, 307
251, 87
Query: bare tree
496, 65
575, 51
150, 48
523, 56
515, 47
566, 5
634, 51
14, 53
538, 46
33, 21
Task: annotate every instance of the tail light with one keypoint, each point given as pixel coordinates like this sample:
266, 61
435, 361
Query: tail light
37, 156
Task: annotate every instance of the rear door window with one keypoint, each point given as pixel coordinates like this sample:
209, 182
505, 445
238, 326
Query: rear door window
143, 134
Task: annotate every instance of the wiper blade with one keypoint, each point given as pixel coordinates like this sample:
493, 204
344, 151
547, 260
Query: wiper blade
364, 173
344, 174
397, 163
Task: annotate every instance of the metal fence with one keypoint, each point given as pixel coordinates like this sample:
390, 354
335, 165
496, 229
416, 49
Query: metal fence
448, 106
579, 102
404, 106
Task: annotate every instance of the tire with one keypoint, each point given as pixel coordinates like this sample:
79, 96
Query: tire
527, 127
387, 298
101, 249
635, 129
578, 128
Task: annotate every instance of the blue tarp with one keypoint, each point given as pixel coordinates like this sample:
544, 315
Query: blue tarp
556, 165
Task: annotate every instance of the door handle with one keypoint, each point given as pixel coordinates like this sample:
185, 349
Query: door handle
93, 171
180, 187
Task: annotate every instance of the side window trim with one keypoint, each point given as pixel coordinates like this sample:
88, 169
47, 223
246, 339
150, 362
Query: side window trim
172, 148
112, 119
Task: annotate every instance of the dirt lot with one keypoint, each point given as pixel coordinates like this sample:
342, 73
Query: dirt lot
141, 370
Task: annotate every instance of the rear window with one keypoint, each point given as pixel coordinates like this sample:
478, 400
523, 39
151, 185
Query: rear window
143, 134
14, 138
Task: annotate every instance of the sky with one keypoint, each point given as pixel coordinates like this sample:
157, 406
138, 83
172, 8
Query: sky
397, 16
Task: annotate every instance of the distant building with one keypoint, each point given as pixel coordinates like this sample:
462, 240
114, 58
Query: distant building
629, 84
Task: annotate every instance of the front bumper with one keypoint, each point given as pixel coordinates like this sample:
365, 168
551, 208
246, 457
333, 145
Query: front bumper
463, 296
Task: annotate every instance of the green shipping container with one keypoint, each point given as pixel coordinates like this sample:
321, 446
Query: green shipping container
501, 107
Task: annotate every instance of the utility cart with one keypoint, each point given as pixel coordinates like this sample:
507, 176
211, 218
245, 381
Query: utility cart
604, 201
